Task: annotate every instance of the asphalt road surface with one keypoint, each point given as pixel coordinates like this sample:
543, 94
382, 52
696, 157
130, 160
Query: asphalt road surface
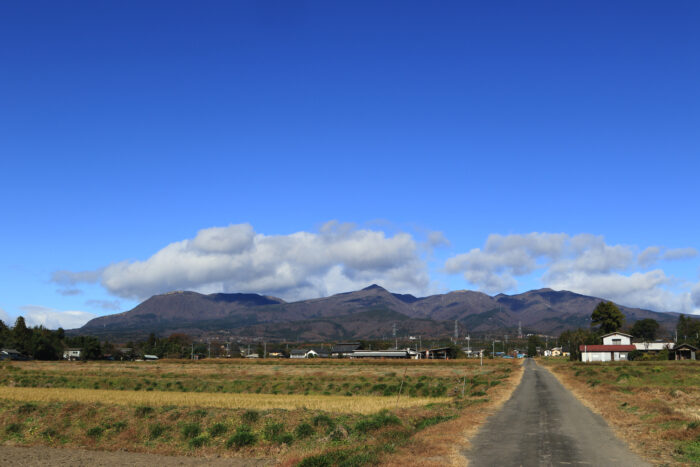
544, 424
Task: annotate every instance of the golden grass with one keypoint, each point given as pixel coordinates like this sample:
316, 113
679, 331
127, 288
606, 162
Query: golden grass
336, 404
646, 412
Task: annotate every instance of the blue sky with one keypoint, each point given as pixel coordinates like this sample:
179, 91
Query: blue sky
303, 148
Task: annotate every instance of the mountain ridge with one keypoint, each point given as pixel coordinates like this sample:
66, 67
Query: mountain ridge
338, 316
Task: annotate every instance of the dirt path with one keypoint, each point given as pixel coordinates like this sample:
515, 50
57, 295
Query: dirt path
17, 456
543, 424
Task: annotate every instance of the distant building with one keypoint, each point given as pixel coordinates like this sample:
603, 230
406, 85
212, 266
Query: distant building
616, 346
344, 349
684, 352
381, 354
72, 354
12, 354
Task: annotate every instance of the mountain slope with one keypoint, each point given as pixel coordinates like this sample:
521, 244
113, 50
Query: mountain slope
367, 313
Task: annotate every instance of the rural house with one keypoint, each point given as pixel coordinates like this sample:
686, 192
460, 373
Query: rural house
616, 346
72, 354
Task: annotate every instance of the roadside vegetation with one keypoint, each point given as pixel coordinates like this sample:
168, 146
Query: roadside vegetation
304, 413
654, 405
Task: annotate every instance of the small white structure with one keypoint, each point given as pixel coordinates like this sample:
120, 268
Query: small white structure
654, 346
150, 357
617, 338
72, 354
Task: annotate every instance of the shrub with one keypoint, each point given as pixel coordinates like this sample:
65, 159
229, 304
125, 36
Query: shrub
199, 441
95, 432
376, 421
119, 426
217, 429
155, 431
275, 432
242, 437
49, 433
323, 419
13, 428
303, 430
26, 408
143, 411
191, 430
250, 416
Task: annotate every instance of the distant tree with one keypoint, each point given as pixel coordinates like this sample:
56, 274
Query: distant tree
688, 329
645, 329
608, 317
533, 342
22, 336
571, 340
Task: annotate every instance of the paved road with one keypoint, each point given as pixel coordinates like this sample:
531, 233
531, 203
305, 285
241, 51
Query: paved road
543, 424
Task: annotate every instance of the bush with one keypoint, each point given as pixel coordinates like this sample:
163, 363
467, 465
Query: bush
191, 430
95, 432
275, 432
250, 416
155, 431
143, 411
376, 421
26, 408
242, 437
199, 441
323, 419
217, 429
303, 430
13, 428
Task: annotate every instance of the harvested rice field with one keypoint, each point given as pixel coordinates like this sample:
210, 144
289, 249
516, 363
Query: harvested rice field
290, 413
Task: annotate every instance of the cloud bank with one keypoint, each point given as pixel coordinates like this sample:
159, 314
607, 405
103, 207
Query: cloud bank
235, 258
582, 263
51, 318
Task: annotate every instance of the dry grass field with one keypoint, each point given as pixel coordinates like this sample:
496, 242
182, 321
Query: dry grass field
318, 412
654, 406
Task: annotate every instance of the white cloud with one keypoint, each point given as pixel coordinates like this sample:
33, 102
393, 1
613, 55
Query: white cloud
680, 253
582, 263
338, 258
437, 239
4, 317
51, 318
649, 256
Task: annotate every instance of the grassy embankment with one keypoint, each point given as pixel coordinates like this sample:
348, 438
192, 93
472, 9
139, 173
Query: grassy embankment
307, 413
654, 406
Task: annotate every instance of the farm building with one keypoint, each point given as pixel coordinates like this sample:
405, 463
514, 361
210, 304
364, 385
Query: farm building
616, 346
443, 353
344, 349
72, 354
684, 352
380, 354
309, 353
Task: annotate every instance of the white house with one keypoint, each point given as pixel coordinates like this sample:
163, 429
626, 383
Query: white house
616, 346
72, 354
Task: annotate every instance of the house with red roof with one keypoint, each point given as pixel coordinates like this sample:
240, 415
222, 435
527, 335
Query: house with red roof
616, 346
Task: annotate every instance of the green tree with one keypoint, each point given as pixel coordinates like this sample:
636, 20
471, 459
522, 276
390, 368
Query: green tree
608, 317
533, 342
645, 329
688, 329
571, 340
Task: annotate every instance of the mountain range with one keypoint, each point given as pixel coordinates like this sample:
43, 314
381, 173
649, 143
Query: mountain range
363, 314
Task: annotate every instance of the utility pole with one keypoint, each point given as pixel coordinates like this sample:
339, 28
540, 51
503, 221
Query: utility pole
209, 347
456, 331
192, 352
469, 349
520, 329
396, 339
